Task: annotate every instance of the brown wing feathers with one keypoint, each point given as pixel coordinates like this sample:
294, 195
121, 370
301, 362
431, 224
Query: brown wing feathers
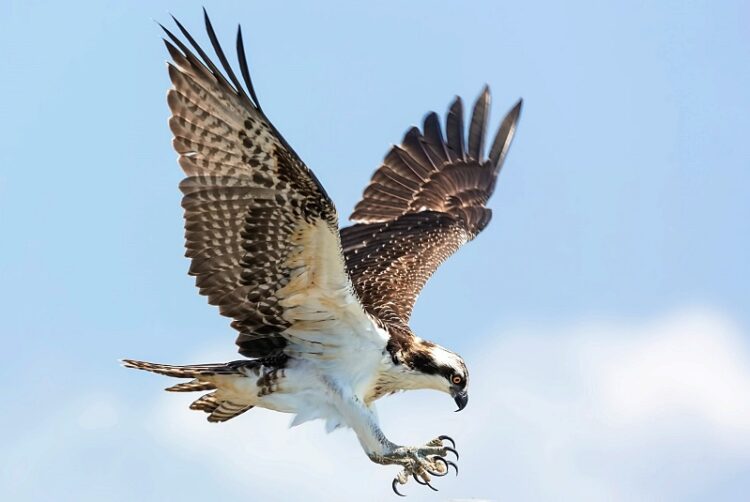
504, 137
262, 232
390, 262
247, 196
478, 125
422, 204
428, 172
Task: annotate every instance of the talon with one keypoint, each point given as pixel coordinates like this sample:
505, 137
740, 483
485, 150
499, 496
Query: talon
451, 463
445, 463
433, 473
447, 438
393, 485
448, 448
424, 483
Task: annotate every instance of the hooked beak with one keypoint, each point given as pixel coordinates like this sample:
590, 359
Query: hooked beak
461, 399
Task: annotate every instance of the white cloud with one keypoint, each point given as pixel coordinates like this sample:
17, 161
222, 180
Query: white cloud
691, 365
602, 410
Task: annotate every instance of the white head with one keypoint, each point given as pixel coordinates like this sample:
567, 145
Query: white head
430, 366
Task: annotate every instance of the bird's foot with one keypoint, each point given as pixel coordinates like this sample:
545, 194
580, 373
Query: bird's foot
420, 463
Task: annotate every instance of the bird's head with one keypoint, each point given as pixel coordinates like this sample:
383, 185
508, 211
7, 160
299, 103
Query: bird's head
434, 367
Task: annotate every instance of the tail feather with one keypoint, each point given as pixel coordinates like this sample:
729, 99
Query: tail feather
218, 408
207, 403
227, 410
186, 371
191, 386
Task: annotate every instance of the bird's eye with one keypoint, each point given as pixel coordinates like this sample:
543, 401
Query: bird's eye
457, 379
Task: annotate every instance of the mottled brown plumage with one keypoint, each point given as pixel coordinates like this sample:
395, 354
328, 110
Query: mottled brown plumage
248, 198
425, 201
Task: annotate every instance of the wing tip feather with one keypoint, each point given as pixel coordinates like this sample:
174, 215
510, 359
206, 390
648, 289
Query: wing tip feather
478, 124
504, 137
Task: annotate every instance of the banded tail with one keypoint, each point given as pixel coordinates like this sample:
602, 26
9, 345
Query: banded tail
218, 408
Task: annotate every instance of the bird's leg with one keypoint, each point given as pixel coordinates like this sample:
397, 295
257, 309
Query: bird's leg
419, 462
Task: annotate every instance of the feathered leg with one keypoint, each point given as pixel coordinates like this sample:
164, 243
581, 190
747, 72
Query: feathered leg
418, 462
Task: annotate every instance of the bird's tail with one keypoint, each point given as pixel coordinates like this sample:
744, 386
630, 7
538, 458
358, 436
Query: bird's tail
218, 408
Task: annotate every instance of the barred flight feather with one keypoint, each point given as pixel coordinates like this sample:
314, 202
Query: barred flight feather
191, 386
426, 200
250, 206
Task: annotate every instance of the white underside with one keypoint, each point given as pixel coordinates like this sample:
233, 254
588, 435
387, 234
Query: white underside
306, 388
337, 352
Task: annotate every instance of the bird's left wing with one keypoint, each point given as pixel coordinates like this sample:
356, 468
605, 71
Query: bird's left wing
260, 230
426, 200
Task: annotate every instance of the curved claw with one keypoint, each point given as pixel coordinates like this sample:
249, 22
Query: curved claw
447, 438
425, 483
393, 485
446, 463
452, 450
437, 474
454, 465
440, 474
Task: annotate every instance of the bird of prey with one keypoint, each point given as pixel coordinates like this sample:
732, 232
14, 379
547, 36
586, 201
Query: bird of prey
322, 312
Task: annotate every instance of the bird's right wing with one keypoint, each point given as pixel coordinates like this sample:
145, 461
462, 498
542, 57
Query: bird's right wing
260, 230
427, 199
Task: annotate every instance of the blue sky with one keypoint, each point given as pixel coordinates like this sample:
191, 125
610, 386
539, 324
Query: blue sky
620, 235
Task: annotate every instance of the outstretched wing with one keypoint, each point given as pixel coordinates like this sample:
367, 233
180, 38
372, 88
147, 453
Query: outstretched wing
425, 201
260, 229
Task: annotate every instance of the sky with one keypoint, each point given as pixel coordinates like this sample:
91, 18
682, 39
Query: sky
604, 314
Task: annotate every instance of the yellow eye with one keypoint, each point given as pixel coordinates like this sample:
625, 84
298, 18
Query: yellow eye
456, 379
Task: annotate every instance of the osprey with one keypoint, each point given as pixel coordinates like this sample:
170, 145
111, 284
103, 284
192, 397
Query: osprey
322, 312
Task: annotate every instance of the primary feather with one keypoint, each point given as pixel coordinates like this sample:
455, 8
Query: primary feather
426, 200
260, 230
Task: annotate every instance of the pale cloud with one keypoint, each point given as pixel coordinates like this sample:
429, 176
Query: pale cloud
692, 364
264, 456
606, 410
615, 410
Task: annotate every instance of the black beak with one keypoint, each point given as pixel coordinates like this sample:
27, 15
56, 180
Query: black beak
461, 398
